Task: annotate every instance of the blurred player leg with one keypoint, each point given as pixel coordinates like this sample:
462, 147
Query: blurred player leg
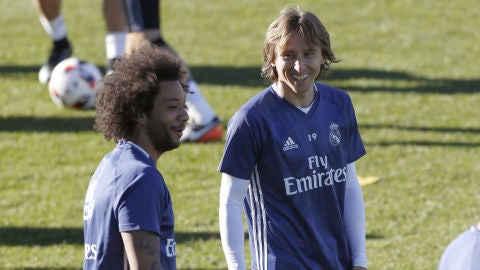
144, 26
52, 21
205, 124
114, 14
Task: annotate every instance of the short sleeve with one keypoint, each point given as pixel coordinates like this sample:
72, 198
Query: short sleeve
139, 207
241, 147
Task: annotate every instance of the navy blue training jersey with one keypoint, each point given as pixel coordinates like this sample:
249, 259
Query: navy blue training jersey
126, 193
297, 164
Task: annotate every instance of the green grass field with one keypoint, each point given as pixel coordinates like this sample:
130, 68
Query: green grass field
411, 68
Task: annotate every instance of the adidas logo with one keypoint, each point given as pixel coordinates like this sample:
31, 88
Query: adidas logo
289, 144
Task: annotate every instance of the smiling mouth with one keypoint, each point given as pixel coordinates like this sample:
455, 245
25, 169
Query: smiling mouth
179, 130
300, 77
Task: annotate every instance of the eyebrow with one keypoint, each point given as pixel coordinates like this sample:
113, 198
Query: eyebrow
172, 99
286, 51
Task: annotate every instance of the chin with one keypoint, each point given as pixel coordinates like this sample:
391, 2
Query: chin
167, 146
174, 143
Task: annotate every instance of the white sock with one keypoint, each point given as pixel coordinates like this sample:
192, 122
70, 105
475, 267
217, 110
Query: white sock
198, 109
115, 44
55, 28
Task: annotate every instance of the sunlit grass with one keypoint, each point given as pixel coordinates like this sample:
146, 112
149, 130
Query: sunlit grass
409, 68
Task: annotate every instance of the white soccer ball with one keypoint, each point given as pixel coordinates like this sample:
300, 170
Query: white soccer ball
73, 84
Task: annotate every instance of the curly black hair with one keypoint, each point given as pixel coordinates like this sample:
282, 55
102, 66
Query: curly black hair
131, 89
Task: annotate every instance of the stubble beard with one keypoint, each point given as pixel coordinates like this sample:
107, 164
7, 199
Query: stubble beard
161, 138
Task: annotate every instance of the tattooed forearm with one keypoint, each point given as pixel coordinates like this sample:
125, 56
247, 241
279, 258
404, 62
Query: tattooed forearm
146, 244
143, 249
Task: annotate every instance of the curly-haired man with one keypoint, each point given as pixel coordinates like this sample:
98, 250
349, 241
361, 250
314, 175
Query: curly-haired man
128, 216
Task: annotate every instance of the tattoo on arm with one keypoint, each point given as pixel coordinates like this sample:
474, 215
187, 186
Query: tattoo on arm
145, 244
143, 249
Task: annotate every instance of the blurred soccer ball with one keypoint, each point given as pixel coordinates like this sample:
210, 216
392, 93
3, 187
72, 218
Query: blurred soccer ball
73, 84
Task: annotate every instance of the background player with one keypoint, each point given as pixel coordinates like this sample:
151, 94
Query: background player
144, 25
290, 153
53, 23
463, 253
141, 18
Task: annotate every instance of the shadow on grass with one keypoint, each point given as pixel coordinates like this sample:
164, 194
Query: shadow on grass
424, 129
250, 76
78, 124
424, 143
374, 236
416, 84
29, 236
446, 130
46, 124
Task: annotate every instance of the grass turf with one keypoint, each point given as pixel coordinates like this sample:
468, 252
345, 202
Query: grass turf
409, 66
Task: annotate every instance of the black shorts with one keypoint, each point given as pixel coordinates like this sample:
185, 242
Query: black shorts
142, 14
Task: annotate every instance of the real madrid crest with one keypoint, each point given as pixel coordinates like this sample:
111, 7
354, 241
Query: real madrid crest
334, 135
